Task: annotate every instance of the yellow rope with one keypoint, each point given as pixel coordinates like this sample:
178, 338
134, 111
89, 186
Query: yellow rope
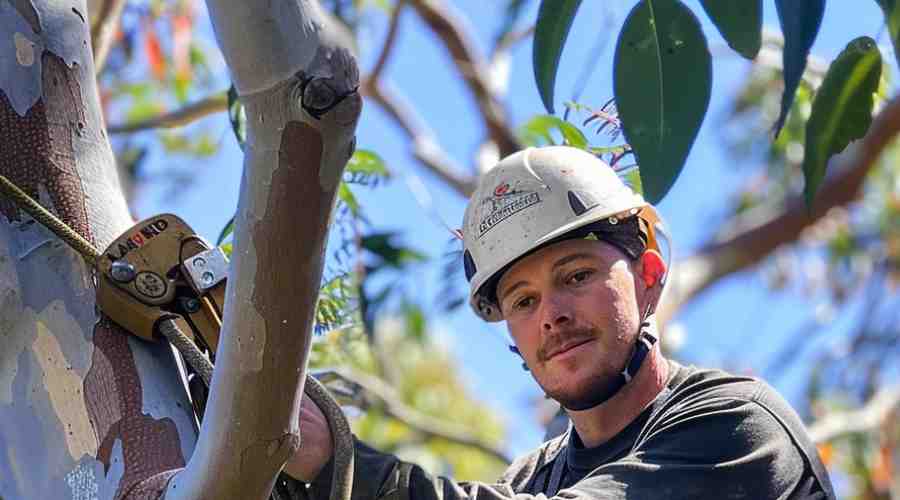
51, 222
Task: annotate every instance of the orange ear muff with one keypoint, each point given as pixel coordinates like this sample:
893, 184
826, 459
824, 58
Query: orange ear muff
653, 267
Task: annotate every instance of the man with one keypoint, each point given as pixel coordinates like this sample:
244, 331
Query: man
566, 254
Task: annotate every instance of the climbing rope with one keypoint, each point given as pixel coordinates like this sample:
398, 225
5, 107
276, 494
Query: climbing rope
342, 438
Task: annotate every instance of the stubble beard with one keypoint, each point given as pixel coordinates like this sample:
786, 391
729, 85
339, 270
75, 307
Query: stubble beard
597, 390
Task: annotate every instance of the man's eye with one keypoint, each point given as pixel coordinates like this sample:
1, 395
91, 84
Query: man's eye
580, 276
523, 303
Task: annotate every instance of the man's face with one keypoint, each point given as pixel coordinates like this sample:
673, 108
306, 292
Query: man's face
573, 310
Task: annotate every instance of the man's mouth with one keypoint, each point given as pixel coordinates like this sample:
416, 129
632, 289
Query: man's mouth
567, 346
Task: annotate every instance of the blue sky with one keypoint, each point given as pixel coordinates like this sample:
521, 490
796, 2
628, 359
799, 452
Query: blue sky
739, 322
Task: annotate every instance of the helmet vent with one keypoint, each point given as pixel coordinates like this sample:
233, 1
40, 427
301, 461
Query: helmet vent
469, 265
577, 204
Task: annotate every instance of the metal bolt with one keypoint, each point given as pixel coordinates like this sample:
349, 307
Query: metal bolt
613, 221
190, 304
207, 278
200, 262
122, 271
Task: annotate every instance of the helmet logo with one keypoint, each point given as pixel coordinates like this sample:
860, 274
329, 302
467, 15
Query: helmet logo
504, 202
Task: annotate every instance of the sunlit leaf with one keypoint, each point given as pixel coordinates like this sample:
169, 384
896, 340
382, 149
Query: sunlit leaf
550, 33
739, 22
842, 109
662, 75
800, 21
891, 10
348, 198
540, 129
365, 167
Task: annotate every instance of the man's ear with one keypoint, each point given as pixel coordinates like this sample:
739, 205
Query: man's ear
652, 271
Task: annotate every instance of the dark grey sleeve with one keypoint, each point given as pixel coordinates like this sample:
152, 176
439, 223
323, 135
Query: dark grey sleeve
709, 448
383, 476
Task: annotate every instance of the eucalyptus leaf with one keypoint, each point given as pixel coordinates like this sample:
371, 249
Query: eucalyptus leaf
842, 109
550, 33
739, 22
800, 21
662, 77
891, 10
539, 131
364, 161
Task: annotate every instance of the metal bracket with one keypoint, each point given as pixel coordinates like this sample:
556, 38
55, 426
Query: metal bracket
207, 269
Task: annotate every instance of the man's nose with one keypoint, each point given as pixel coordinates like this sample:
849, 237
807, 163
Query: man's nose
555, 313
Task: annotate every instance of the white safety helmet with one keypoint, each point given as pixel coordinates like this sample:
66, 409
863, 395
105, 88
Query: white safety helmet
535, 197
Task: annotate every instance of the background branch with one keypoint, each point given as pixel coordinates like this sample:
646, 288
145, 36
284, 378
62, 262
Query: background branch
178, 118
366, 392
473, 69
760, 232
871, 415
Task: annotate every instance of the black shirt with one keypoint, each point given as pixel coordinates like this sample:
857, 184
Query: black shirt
708, 434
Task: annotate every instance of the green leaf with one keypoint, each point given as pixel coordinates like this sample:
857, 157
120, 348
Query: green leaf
842, 109
348, 198
415, 321
539, 130
550, 33
891, 10
227, 230
391, 255
367, 162
662, 77
238, 116
739, 22
800, 21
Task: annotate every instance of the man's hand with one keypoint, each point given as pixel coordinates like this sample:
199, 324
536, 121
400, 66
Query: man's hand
316, 446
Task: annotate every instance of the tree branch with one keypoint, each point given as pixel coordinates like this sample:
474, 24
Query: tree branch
299, 90
104, 29
874, 413
178, 118
472, 68
369, 391
759, 233
389, 42
425, 147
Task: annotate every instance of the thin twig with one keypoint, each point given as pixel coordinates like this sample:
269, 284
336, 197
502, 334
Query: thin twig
472, 68
178, 118
389, 42
103, 31
869, 417
378, 394
425, 147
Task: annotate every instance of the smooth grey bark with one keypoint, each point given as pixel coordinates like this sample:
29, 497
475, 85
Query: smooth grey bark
299, 89
86, 410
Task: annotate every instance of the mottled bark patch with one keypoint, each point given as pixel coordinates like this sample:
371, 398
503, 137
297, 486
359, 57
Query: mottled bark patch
37, 148
38, 156
113, 391
291, 268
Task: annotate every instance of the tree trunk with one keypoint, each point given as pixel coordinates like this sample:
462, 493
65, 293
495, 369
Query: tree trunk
87, 411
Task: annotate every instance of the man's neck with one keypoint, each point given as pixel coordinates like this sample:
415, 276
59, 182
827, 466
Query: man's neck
599, 424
